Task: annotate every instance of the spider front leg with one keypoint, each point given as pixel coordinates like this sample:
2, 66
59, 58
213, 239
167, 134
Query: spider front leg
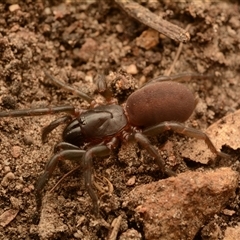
182, 129
54, 124
70, 154
40, 111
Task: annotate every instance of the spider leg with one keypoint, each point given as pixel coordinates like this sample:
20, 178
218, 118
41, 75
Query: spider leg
145, 143
182, 77
96, 151
71, 154
64, 146
54, 124
68, 88
182, 129
40, 111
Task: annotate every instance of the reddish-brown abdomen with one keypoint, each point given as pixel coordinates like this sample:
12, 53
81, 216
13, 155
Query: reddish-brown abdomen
158, 102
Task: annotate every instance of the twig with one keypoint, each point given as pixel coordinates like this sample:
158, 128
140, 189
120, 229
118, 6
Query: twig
110, 186
116, 223
63, 177
150, 19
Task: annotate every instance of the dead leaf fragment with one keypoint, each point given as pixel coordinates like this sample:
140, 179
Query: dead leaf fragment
148, 39
8, 216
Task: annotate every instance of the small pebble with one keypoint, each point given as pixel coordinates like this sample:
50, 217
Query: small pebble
7, 178
131, 181
131, 234
16, 151
148, 39
131, 69
228, 212
14, 7
28, 140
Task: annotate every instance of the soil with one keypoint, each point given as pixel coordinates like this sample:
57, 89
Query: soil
74, 41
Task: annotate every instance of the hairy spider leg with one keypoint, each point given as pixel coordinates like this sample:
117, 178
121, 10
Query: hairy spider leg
145, 143
40, 111
182, 77
182, 129
70, 154
96, 151
69, 88
54, 124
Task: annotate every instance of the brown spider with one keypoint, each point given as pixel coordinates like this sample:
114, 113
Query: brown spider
162, 104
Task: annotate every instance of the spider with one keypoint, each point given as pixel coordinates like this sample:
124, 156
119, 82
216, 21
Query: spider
160, 105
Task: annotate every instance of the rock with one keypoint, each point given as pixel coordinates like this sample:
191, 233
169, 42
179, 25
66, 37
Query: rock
232, 233
14, 7
223, 132
130, 234
211, 231
148, 39
7, 179
177, 207
87, 51
131, 69
16, 151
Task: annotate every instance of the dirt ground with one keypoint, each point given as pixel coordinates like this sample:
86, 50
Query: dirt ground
74, 41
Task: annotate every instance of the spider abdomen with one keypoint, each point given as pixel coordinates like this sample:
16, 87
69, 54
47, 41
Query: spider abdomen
158, 102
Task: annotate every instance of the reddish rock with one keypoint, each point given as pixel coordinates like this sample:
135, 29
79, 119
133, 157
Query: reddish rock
16, 151
177, 207
232, 233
